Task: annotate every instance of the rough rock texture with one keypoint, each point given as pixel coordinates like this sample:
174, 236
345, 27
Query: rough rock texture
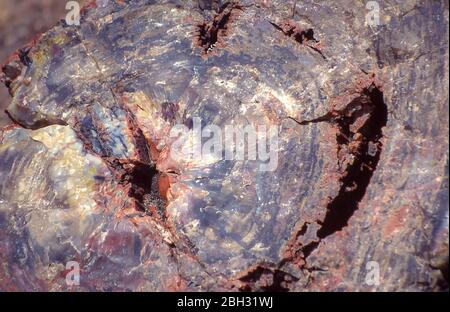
86, 172
20, 21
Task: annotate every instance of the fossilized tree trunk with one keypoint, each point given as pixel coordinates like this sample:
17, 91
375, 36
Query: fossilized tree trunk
86, 172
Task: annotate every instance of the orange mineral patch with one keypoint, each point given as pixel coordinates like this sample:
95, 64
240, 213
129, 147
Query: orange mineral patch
396, 221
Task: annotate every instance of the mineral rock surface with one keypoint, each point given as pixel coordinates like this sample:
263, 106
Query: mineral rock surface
358, 198
20, 21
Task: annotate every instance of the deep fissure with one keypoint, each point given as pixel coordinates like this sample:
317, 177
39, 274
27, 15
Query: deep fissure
278, 283
364, 147
302, 36
210, 33
142, 180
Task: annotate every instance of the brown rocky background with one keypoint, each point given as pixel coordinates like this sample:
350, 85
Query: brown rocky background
20, 22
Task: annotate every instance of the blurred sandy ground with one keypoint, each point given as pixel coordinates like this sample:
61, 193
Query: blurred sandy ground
20, 21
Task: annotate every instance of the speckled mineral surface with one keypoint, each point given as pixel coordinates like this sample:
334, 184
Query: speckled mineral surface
87, 172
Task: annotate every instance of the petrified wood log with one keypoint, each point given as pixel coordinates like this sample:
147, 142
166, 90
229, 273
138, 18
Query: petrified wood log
86, 172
